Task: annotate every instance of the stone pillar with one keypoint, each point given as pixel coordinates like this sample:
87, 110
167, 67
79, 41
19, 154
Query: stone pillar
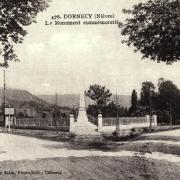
154, 120
14, 121
99, 122
147, 118
9, 123
71, 124
6, 123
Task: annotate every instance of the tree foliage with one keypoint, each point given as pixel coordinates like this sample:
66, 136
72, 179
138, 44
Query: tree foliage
134, 99
14, 15
99, 94
165, 102
147, 93
168, 94
134, 103
109, 110
153, 29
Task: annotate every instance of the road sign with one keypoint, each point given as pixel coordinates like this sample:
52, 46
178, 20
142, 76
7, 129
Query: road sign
9, 111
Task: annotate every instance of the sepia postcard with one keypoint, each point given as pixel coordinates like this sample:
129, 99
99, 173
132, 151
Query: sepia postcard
89, 90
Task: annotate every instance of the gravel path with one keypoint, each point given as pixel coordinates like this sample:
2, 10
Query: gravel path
14, 147
165, 133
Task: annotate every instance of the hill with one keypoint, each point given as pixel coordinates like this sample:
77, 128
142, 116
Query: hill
28, 104
65, 100
22, 99
18, 97
72, 100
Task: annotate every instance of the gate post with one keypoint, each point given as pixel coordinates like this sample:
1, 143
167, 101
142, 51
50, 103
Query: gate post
147, 118
71, 124
99, 122
154, 120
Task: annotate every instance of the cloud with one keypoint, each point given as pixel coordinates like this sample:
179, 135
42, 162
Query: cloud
35, 48
74, 42
45, 85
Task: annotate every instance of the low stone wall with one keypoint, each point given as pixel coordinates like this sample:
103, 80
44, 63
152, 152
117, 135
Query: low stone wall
132, 123
108, 125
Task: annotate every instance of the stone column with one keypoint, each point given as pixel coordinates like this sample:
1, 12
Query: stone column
147, 118
71, 124
6, 123
154, 120
99, 122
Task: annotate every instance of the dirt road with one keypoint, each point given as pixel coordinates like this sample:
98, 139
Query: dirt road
148, 158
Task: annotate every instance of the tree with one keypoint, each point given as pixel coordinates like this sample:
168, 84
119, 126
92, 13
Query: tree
168, 93
99, 94
133, 108
14, 15
134, 99
109, 110
153, 29
147, 93
168, 97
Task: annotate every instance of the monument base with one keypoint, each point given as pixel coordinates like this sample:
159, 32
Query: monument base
85, 128
89, 139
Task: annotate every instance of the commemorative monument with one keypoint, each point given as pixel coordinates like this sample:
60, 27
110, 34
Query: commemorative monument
83, 126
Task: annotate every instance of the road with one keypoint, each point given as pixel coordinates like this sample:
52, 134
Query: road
19, 150
15, 147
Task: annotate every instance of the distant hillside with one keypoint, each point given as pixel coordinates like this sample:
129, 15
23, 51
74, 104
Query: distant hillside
123, 100
72, 100
67, 100
29, 105
18, 98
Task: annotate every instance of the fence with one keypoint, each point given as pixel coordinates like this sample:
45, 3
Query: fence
111, 121
42, 123
110, 124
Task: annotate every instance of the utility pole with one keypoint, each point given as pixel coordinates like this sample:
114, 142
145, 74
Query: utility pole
150, 108
117, 117
4, 104
56, 120
170, 113
56, 100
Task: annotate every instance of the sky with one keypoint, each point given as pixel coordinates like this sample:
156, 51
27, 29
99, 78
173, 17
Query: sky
67, 59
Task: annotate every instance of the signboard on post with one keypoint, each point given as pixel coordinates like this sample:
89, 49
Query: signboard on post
9, 111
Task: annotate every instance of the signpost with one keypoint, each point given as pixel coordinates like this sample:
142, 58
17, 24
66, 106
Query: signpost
9, 111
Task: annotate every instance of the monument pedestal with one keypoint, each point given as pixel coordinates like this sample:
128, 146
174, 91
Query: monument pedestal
83, 126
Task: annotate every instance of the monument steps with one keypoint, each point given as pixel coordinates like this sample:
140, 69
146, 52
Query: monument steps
91, 139
82, 130
86, 124
85, 128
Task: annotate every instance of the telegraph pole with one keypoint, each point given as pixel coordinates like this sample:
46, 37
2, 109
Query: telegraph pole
56, 100
170, 113
4, 103
117, 117
56, 112
150, 108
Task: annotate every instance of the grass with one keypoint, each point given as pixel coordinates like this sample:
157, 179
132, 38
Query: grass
125, 135
45, 134
136, 133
